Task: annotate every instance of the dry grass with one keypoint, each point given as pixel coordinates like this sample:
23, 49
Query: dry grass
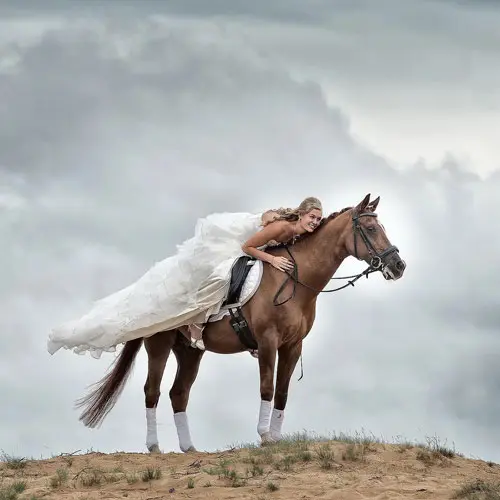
479, 490
301, 465
13, 490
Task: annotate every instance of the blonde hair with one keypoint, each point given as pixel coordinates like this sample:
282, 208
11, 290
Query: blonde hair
293, 214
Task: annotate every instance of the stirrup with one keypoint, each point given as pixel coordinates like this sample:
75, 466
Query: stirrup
197, 344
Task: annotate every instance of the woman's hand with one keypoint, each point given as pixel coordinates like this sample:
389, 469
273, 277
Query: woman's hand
279, 231
282, 264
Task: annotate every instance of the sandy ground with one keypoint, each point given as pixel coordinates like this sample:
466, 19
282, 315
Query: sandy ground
295, 469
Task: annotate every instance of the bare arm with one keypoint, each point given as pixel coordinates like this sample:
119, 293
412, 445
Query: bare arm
277, 231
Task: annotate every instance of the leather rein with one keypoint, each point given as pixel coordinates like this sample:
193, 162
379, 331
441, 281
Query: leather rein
376, 263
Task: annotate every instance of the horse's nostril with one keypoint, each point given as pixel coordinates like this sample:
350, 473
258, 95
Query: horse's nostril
400, 265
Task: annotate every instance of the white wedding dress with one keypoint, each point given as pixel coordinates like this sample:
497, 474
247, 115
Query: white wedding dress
187, 287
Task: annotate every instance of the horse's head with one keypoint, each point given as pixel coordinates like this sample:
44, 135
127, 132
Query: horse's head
367, 240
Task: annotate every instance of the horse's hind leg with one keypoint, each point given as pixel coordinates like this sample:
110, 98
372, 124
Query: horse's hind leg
188, 363
158, 349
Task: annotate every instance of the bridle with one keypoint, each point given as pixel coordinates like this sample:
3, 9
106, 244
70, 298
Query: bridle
378, 259
377, 262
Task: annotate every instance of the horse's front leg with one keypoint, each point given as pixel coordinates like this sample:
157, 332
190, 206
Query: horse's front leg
288, 355
267, 363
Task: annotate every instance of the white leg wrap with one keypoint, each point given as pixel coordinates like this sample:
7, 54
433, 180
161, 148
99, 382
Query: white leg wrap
277, 418
151, 435
264, 417
182, 425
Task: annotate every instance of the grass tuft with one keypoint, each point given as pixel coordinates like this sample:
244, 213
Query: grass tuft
12, 491
355, 452
60, 478
478, 490
92, 476
325, 456
151, 474
12, 462
270, 486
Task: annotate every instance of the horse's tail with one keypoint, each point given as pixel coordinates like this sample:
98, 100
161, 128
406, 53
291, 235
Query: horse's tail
107, 391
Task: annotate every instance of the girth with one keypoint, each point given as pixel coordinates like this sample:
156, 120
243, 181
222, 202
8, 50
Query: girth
239, 273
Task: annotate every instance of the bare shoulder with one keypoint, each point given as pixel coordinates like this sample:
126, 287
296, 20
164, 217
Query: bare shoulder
281, 230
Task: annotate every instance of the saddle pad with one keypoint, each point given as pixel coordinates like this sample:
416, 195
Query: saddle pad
249, 288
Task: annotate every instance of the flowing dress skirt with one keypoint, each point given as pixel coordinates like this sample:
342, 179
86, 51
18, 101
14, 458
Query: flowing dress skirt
187, 287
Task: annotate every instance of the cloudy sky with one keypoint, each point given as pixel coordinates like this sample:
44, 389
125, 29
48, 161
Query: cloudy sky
119, 126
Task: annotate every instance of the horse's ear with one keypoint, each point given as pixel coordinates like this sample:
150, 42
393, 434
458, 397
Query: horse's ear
361, 207
374, 204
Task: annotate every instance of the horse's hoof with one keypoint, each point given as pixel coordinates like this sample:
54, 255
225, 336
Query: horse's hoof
191, 449
154, 448
266, 439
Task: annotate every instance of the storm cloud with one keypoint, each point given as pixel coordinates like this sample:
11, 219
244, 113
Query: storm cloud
118, 131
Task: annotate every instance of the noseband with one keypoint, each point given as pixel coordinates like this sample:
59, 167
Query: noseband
377, 262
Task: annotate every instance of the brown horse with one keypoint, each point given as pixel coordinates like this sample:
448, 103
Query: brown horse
278, 329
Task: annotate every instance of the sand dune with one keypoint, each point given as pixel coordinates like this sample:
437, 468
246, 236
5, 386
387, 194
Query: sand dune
297, 468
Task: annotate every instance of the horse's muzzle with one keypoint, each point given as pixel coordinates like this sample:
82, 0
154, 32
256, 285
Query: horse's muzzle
395, 268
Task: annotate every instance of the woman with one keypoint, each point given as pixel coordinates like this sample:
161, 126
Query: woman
189, 286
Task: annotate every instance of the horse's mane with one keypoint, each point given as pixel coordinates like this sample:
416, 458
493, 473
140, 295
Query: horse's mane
323, 223
332, 216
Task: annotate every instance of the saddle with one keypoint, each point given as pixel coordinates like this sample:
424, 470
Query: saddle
239, 324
